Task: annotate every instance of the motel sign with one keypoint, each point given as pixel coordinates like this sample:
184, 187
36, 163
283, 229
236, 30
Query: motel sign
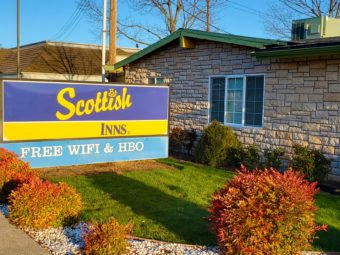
60, 124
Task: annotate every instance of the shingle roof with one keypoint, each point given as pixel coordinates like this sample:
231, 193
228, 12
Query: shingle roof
252, 42
8, 60
56, 57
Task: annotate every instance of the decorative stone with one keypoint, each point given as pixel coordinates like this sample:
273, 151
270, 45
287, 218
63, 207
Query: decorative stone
315, 140
302, 95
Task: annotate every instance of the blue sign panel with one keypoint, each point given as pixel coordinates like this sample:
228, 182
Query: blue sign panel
78, 152
55, 110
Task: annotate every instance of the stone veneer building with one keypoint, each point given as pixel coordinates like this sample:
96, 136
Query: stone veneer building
273, 93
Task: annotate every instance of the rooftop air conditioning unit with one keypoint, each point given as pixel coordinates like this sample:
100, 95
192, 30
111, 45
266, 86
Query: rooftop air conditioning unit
314, 28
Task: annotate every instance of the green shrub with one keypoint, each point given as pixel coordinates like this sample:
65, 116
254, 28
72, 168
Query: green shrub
13, 172
273, 158
106, 239
234, 156
42, 204
214, 143
265, 212
311, 163
252, 157
247, 156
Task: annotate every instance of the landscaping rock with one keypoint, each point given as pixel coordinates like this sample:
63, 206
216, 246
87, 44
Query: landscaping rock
61, 241
68, 241
146, 247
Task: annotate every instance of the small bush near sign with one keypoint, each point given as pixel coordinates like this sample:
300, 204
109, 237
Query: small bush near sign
42, 204
182, 141
13, 172
265, 212
108, 238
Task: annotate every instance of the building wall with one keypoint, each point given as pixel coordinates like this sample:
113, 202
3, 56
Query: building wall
302, 95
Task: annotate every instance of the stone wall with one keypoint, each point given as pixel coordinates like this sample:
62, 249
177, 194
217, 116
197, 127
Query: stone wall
302, 95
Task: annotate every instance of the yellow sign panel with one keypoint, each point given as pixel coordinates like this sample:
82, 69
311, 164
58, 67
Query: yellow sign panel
83, 129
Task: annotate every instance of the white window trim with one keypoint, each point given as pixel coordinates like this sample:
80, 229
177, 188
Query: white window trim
155, 78
244, 76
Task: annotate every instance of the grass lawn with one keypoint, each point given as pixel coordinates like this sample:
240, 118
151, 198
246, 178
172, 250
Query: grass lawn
171, 204
328, 213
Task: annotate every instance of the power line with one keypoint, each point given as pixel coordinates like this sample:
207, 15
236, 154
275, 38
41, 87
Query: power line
202, 20
244, 8
214, 25
70, 24
234, 5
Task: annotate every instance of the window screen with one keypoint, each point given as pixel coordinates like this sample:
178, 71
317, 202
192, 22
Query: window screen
254, 101
217, 99
234, 100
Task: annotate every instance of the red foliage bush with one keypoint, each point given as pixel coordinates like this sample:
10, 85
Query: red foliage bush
13, 172
106, 239
265, 212
42, 204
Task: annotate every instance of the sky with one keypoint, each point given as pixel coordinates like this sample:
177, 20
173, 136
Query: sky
59, 21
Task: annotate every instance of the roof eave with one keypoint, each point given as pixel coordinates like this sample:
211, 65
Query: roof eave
144, 52
256, 43
238, 40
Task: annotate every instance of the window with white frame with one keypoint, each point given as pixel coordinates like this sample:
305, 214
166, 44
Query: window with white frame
156, 80
237, 100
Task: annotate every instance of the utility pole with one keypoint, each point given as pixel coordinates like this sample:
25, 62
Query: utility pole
208, 15
113, 32
18, 40
104, 41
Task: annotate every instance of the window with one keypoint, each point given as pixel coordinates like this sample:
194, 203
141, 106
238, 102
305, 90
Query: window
234, 100
156, 80
254, 101
217, 99
237, 100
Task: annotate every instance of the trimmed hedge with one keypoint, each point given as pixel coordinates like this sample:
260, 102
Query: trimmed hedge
265, 212
106, 239
13, 173
42, 204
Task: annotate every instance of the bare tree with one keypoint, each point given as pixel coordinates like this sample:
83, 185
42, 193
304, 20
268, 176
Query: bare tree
174, 13
70, 61
278, 18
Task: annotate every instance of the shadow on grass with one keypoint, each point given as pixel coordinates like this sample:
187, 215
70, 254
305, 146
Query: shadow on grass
182, 218
328, 241
329, 213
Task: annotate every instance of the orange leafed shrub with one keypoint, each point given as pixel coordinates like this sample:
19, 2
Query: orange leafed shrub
13, 172
265, 212
106, 239
42, 204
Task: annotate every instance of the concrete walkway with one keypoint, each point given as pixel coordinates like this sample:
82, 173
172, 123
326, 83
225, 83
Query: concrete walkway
14, 241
